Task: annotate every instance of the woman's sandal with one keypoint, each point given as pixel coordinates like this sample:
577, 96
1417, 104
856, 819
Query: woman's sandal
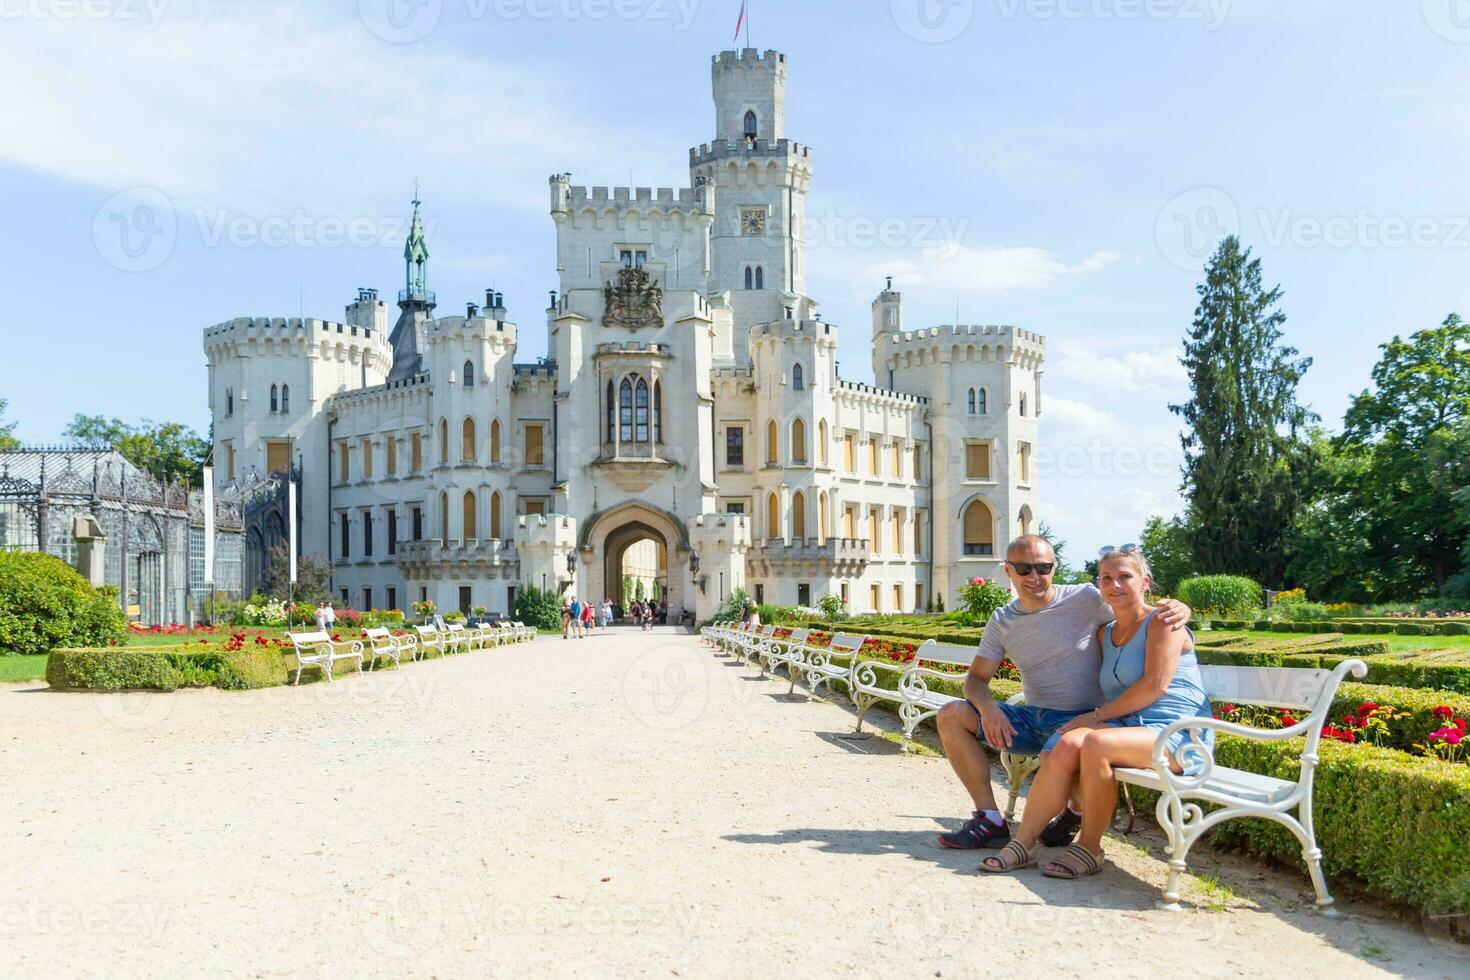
1014, 855
1075, 861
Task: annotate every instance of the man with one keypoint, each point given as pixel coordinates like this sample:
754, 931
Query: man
1050, 633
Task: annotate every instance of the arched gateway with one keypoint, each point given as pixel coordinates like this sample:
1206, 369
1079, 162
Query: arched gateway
608, 535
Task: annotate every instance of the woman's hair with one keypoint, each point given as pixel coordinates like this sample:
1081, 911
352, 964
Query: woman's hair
1140, 563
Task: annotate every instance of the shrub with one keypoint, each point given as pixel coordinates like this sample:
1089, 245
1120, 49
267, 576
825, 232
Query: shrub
832, 606
537, 608
164, 668
1221, 594
1290, 597
44, 604
772, 613
979, 598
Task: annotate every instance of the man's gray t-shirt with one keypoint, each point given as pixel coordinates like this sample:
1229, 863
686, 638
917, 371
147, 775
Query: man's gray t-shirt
1054, 648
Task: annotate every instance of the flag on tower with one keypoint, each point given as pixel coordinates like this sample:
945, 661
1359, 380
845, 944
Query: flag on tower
741, 21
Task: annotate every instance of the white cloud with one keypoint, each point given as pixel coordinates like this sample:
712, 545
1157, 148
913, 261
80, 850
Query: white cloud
986, 268
1093, 365
257, 107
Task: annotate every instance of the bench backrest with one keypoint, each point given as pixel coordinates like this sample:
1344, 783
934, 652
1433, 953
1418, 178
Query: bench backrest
309, 639
456, 627
1275, 687
847, 643
377, 633
428, 632
798, 636
946, 653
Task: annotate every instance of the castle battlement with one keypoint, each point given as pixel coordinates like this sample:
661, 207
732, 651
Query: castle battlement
531, 372
725, 149
811, 330
634, 347
881, 394
283, 328
412, 384
498, 332
948, 335
748, 58
669, 200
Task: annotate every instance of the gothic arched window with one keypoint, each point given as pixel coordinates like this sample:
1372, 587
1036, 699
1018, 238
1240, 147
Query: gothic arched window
275, 399
285, 398
658, 412
972, 401
979, 529
797, 382
467, 447
982, 410
798, 441
625, 411
749, 280
612, 412
494, 440
1023, 403
760, 277
469, 374
640, 433
751, 126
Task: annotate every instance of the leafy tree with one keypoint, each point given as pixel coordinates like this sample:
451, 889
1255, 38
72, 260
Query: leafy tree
1244, 459
1165, 544
1410, 427
1332, 557
313, 575
8, 441
1064, 574
167, 450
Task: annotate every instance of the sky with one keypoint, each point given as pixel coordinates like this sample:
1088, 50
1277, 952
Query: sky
1061, 165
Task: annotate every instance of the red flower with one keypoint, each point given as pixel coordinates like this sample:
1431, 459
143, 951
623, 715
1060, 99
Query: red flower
1229, 709
1287, 720
1443, 711
1367, 708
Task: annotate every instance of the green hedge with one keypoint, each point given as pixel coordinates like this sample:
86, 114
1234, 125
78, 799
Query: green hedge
44, 604
164, 668
1395, 823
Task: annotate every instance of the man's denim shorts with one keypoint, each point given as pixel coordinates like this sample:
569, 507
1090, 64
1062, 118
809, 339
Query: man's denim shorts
1036, 728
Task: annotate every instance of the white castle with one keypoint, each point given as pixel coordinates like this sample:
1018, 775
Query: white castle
690, 398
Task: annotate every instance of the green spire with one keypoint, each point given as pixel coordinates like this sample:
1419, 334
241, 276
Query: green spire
416, 254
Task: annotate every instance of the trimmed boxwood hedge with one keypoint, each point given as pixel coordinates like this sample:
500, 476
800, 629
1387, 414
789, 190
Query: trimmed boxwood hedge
44, 604
164, 668
1394, 822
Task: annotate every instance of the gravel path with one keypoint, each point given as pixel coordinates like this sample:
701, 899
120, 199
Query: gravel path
661, 813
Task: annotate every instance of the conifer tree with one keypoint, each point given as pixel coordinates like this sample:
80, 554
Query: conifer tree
1245, 461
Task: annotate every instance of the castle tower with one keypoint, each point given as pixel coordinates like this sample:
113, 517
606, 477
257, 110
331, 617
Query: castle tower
887, 323
761, 180
415, 303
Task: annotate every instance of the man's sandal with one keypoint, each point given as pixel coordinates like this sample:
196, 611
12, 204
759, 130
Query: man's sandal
1075, 861
1014, 855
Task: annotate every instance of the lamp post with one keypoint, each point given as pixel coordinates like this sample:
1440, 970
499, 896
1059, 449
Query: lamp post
571, 571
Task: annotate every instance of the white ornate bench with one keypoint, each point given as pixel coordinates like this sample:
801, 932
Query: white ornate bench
383, 643
785, 651
817, 662
431, 639
319, 649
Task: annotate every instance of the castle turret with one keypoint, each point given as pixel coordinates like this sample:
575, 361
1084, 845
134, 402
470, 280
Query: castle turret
760, 180
368, 311
887, 322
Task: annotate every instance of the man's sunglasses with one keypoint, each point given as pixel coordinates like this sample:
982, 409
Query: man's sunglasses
1024, 568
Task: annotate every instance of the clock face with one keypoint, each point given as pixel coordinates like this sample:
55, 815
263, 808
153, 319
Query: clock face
753, 222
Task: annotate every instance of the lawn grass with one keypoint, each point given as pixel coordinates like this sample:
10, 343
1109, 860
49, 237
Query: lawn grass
22, 667
1396, 643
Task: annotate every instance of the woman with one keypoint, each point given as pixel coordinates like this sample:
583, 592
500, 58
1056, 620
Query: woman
586, 618
1150, 678
566, 617
752, 616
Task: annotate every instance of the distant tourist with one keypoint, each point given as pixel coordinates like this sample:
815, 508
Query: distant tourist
587, 622
566, 617
330, 615
752, 616
321, 617
607, 613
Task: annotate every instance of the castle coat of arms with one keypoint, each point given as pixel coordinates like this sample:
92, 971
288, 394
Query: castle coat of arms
633, 301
